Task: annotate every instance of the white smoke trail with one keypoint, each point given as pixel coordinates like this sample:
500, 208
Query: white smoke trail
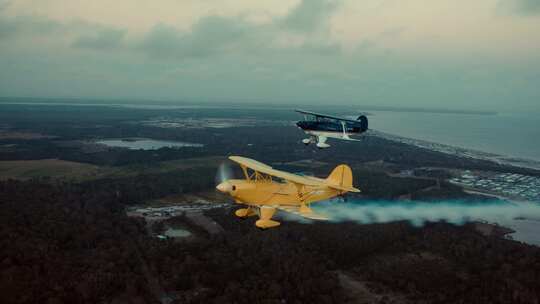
418, 213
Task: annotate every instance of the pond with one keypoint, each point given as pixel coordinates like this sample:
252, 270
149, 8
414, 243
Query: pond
145, 144
177, 233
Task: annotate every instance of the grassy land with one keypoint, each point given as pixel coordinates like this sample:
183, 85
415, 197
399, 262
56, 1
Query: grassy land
22, 135
161, 167
54, 168
67, 170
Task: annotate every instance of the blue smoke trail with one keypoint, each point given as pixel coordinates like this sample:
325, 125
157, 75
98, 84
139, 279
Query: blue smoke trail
418, 213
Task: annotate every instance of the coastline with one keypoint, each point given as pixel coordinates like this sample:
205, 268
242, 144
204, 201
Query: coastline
523, 229
460, 151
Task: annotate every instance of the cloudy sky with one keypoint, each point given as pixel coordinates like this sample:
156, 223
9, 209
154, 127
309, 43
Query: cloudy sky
481, 54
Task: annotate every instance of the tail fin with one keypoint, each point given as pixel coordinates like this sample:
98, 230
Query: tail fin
363, 123
341, 179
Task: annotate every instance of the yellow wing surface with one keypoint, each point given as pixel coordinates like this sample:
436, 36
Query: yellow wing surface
340, 178
263, 168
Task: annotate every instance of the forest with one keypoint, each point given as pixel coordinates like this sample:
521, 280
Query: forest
76, 245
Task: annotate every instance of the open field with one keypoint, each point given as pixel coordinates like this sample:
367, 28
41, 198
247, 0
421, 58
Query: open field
160, 167
68, 170
54, 168
22, 135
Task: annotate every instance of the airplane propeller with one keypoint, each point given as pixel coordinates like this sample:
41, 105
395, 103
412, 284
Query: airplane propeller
224, 173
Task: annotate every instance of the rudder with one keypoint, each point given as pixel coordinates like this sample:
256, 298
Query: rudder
341, 176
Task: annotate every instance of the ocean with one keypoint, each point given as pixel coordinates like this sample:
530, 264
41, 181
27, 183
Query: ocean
508, 134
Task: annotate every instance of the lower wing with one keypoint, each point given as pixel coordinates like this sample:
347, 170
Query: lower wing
308, 213
350, 139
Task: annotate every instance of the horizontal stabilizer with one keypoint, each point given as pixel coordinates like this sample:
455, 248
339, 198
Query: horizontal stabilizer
347, 189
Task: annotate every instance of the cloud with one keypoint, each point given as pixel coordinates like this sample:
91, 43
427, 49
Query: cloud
106, 38
218, 35
210, 35
392, 33
4, 4
318, 50
15, 27
88, 35
520, 7
309, 15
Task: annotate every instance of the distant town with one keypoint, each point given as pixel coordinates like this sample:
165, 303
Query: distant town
515, 185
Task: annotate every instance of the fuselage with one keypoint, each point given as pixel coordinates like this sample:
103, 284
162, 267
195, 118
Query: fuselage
321, 127
329, 126
260, 193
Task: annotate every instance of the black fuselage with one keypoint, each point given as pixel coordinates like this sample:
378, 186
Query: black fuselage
308, 125
330, 125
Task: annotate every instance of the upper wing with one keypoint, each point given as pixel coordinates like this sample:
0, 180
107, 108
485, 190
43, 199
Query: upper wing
303, 180
326, 116
263, 168
310, 215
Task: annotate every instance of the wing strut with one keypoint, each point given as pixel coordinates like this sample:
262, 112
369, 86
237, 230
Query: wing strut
344, 128
244, 169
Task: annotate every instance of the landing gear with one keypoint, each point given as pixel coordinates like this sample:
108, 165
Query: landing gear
266, 213
245, 212
319, 141
321, 144
308, 141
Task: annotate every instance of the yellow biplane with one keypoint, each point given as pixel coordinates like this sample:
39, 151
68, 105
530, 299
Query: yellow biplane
265, 189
